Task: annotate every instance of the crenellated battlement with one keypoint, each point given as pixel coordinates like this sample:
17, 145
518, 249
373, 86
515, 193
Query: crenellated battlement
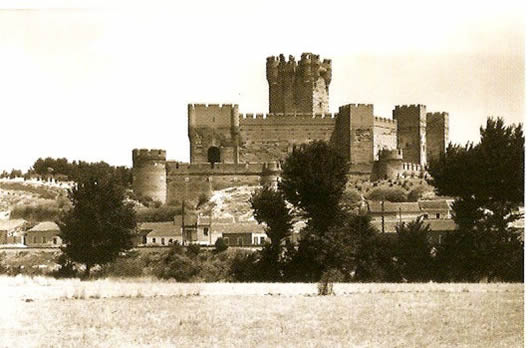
248, 168
412, 167
274, 117
144, 155
211, 107
385, 120
357, 106
409, 106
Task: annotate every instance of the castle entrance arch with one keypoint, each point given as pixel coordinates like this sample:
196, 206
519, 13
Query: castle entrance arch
213, 154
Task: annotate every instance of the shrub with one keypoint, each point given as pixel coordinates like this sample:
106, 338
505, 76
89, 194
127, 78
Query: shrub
178, 267
220, 245
244, 267
160, 214
66, 268
193, 250
130, 265
393, 194
417, 193
202, 199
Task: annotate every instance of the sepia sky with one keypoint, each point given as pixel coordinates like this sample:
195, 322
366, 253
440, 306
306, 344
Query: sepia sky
94, 83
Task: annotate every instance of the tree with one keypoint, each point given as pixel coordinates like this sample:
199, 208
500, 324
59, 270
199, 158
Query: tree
487, 180
99, 225
414, 258
313, 180
270, 208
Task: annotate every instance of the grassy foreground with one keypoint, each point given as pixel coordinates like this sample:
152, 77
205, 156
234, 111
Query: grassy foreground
110, 313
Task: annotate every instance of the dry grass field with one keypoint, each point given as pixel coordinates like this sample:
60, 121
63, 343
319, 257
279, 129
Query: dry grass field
142, 312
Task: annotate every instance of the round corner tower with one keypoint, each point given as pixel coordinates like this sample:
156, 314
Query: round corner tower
149, 174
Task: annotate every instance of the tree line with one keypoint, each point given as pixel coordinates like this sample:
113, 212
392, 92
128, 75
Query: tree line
74, 171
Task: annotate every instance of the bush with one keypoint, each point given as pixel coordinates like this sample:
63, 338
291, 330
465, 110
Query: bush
244, 267
202, 199
220, 245
160, 214
393, 194
193, 250
178, 267
66, 268
417, 193
130, 265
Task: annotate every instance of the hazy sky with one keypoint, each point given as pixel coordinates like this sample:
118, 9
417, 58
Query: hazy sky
93, 84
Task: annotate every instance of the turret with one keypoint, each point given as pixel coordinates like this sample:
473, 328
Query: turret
149, 174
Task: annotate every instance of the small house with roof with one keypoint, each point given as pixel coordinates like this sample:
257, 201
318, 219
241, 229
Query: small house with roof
160, 233
44, 234
247, 233
435, 209
397, 211
12, 231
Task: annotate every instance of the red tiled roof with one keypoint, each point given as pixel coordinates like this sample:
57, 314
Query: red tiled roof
237, 228
434, 205
45, 226
390, 207
161, 229
441, 224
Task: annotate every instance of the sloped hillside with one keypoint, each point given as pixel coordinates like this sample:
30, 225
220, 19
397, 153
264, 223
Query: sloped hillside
232, 202
17, 194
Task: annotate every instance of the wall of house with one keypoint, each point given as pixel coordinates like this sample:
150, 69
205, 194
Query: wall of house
163, 240
42, 239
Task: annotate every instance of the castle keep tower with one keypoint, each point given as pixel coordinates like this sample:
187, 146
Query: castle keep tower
437, 134
411, 132
298, 87
149, 175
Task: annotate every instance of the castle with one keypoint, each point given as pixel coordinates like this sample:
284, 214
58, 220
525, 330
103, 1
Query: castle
230, 149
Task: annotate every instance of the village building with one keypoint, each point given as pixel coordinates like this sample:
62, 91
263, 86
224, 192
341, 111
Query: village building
160, 233
242, 233
44, 234
12, 231
386, 216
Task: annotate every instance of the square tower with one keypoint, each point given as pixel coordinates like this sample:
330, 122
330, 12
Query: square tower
437, 134
412, 132
298, 87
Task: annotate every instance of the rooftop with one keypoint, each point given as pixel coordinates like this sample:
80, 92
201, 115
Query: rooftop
45, 226
241, 227
390, 207
161, 229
